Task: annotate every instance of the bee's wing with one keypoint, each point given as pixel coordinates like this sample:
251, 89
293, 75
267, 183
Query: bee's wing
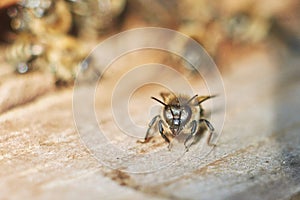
204, 98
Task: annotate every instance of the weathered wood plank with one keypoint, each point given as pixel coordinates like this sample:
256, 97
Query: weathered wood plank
17, 89
41, 156
257, 156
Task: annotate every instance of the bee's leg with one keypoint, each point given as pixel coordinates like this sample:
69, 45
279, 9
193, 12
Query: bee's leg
151, 124
192, 134
161, 131
211, 128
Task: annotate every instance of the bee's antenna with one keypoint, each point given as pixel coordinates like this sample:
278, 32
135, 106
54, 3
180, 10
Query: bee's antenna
205, 98
172, 111
191, 99
159, 101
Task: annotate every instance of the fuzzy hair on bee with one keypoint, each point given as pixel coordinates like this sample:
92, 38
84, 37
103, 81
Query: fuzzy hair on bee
180, 114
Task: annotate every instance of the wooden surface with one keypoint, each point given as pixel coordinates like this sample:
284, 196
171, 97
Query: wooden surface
257, 155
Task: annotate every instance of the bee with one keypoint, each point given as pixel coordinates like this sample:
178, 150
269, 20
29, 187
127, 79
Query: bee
180, 114
24, 53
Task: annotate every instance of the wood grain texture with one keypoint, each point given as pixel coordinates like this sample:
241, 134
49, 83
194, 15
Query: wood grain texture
17, 89
257, 156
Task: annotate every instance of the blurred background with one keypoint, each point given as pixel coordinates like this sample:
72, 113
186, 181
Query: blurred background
54, 36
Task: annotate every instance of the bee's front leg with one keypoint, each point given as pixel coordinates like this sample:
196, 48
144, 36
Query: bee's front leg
211, 128
151, 125
161, 131
192, 134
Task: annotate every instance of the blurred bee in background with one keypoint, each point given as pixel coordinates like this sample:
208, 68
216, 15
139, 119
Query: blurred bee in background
42, 39
40, 17
59, 54
23, 52
227, 30
180, 114
230, 29
44, 34
95, 17
226, 24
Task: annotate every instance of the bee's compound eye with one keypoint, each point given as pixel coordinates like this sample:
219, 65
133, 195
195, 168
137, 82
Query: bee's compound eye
168, 114
186, 113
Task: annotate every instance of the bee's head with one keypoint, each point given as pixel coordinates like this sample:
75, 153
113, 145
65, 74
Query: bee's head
176, 114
